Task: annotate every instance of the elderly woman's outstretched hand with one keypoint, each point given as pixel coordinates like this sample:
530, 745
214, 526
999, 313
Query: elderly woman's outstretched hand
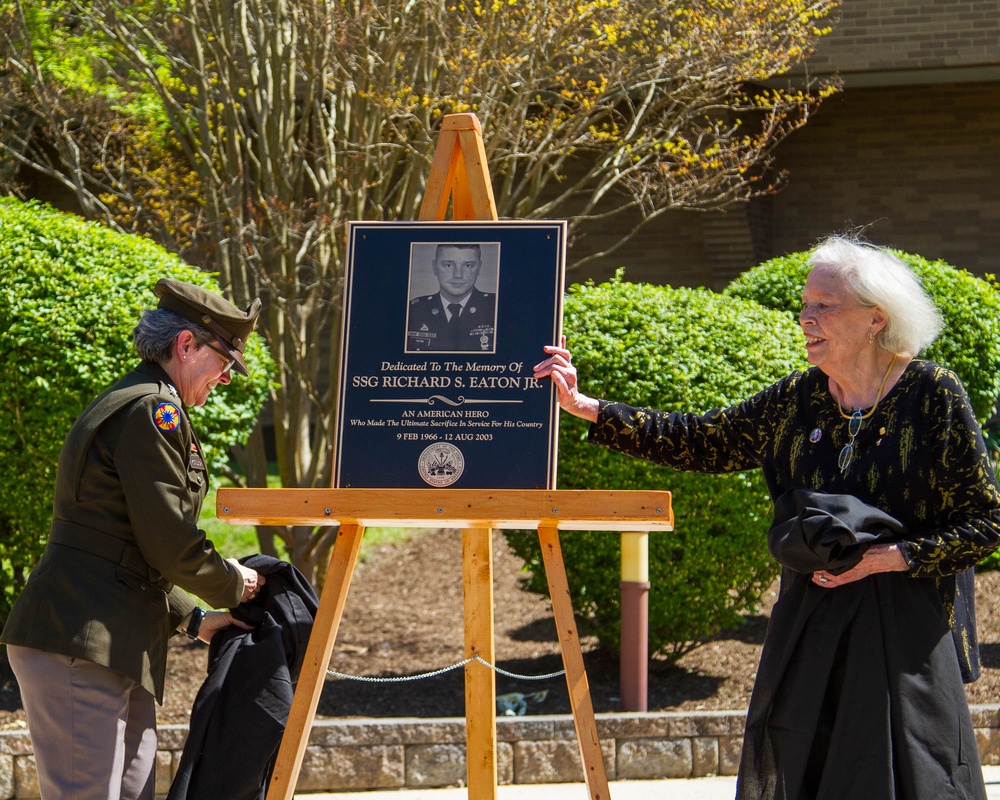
559, 367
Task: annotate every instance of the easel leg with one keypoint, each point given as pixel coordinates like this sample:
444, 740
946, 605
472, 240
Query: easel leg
313, 673
576, 675
480, 682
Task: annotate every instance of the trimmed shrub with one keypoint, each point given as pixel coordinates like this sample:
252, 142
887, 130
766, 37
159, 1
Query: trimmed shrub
969, 344
667, 348
70, 295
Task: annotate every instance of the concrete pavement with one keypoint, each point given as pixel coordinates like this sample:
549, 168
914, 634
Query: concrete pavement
691, 789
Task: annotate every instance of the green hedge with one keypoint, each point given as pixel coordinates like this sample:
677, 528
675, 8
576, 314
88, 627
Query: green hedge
687, 349
969, 343
70, 295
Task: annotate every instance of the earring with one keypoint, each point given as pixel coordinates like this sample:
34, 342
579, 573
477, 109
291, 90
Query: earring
871, 337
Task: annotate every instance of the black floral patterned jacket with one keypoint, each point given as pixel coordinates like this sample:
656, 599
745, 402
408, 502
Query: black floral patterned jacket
919, 457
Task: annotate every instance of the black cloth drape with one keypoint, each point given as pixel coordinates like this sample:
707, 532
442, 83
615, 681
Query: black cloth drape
859, 694
240, 712
817, 531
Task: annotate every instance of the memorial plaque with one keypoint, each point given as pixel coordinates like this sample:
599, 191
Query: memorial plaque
443, 322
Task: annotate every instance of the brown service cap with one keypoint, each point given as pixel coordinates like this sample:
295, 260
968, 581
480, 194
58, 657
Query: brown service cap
211, 311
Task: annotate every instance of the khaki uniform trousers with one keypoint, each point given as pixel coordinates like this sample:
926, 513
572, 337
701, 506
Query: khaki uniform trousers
92, 729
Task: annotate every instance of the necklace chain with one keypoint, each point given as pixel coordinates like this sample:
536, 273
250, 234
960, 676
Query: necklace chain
878, 396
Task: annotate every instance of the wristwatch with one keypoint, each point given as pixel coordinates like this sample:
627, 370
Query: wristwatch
195, 624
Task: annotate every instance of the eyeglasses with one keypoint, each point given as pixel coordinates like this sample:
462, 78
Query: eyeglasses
225, 354
847, 453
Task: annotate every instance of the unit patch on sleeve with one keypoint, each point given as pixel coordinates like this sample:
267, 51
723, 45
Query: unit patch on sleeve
167, 417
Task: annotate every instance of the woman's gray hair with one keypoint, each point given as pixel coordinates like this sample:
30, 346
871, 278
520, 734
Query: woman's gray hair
878, 278
158, 329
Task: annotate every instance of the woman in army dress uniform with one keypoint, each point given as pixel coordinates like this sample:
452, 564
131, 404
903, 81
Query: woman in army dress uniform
87, 638
859, 691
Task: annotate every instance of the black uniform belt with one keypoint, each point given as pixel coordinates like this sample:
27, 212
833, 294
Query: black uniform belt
102, 544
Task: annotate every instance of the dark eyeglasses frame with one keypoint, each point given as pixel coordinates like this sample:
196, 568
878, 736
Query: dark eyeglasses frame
225, 354
847, 452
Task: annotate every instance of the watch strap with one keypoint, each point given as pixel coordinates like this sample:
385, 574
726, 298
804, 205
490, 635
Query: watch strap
195, 624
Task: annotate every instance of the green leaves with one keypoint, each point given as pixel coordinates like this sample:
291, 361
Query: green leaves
70, 295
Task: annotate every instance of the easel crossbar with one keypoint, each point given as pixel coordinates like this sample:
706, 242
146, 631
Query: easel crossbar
456, 508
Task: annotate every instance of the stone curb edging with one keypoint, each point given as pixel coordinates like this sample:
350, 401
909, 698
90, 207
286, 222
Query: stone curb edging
364, 754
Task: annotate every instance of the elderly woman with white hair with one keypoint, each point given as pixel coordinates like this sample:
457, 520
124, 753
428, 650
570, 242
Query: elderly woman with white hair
885, 500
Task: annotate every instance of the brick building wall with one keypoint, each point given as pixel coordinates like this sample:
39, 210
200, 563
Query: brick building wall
906, 154
913, 165
671, 249
876, 35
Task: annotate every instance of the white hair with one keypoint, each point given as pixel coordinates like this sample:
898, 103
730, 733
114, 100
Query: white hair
876, 277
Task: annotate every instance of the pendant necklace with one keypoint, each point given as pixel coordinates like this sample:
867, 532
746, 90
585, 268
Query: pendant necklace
855, 420
878, 396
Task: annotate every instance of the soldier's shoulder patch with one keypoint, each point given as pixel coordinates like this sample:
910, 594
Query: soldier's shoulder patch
167, 417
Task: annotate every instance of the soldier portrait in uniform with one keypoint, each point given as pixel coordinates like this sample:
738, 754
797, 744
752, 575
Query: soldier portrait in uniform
460, 316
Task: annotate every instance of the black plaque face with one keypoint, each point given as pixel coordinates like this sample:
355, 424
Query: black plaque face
442, 324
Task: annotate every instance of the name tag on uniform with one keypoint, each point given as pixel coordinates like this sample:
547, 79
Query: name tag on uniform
196, 461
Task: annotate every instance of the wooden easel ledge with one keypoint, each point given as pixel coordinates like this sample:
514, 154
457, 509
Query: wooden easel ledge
457, 508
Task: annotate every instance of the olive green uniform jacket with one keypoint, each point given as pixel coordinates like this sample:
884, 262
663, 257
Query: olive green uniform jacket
124, 537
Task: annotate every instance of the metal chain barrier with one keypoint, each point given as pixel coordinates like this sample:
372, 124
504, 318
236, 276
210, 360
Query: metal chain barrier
405, 678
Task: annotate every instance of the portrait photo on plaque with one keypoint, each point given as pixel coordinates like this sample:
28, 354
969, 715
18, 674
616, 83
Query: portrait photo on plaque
453, 297
442, 324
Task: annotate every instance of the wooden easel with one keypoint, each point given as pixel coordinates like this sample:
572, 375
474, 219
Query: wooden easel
459, 174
